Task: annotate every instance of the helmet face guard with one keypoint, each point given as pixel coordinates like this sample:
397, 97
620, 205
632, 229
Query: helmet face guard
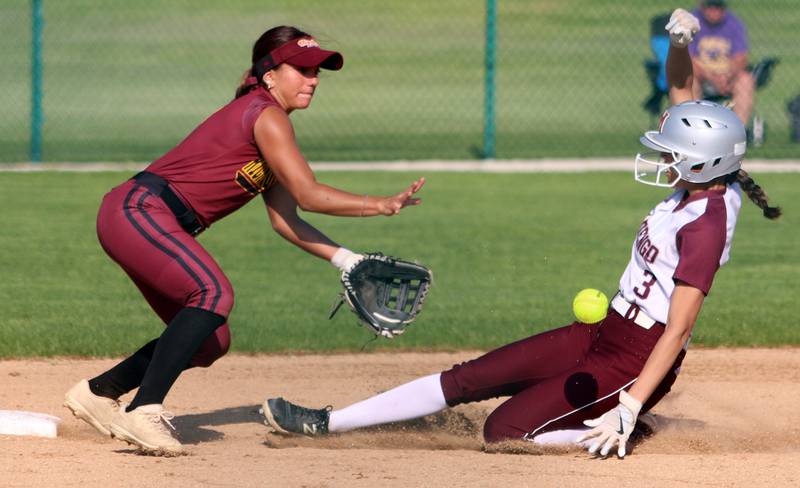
652, 169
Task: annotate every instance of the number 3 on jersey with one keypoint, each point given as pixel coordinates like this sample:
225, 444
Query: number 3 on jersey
645, 290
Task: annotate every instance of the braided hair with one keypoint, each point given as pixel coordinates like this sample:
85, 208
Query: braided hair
754, 192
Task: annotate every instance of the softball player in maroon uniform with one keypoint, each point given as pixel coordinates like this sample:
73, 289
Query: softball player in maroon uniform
601, 375
149, 223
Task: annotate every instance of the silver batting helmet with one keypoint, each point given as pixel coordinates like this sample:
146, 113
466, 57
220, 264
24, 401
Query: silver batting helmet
705, 139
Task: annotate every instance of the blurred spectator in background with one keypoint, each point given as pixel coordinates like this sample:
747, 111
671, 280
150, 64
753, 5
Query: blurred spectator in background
719, 58
794, 114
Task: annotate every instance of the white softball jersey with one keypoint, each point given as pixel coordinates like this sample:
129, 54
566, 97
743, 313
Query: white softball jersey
684, 238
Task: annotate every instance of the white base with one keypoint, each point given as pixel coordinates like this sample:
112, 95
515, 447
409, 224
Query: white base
16, 422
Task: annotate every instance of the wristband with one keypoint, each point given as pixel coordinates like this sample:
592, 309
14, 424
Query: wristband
344, 259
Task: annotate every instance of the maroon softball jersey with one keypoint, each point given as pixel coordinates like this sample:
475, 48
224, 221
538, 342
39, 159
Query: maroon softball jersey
218, 168
215, 170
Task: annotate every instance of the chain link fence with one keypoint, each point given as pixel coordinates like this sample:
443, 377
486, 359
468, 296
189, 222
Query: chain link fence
126, 81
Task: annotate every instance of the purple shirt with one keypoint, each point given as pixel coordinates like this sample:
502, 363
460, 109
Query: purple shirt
715, 45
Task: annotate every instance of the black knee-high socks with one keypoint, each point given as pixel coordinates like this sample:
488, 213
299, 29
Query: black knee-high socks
155, 367
126, 375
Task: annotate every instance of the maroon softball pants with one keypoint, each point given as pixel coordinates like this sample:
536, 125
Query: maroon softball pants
558, 378
169, 266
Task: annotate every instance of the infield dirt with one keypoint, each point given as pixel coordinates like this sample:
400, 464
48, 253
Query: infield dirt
731, 420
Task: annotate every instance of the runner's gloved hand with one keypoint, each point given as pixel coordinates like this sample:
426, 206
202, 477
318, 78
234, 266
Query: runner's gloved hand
613, 427
682, 27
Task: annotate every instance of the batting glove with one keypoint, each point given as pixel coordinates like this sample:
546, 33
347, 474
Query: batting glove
682, 27
614, 427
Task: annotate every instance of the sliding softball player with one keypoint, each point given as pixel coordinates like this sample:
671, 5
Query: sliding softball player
589, 383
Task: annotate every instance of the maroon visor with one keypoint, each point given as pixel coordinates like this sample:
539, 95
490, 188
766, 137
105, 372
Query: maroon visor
303, 52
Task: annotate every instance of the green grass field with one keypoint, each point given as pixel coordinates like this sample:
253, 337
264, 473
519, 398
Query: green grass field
127, 81
508, 254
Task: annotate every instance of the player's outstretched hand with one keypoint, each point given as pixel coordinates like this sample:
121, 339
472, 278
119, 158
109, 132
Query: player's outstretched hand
614, 427
682, 27
392, 205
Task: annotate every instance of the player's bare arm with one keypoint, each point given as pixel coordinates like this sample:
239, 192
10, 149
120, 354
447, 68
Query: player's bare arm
282, 211
615, 426
683, 310
275, 139
679, 75
681, 27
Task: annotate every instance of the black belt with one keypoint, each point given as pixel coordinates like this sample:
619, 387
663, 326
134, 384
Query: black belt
160, 187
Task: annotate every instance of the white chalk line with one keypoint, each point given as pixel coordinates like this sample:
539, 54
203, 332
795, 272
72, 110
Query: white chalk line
488, 166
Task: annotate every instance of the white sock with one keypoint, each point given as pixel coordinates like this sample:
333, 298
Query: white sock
412, 400
562, 437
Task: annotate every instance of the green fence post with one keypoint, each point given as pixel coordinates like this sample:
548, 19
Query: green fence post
488, 106
36, 80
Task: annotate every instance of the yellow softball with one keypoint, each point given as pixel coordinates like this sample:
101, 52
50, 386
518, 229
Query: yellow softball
590, 306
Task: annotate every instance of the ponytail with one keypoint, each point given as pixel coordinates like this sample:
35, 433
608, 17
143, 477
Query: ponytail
269, 40
247, 83
755, 193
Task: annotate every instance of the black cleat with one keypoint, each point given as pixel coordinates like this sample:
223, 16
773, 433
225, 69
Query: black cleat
288, 418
